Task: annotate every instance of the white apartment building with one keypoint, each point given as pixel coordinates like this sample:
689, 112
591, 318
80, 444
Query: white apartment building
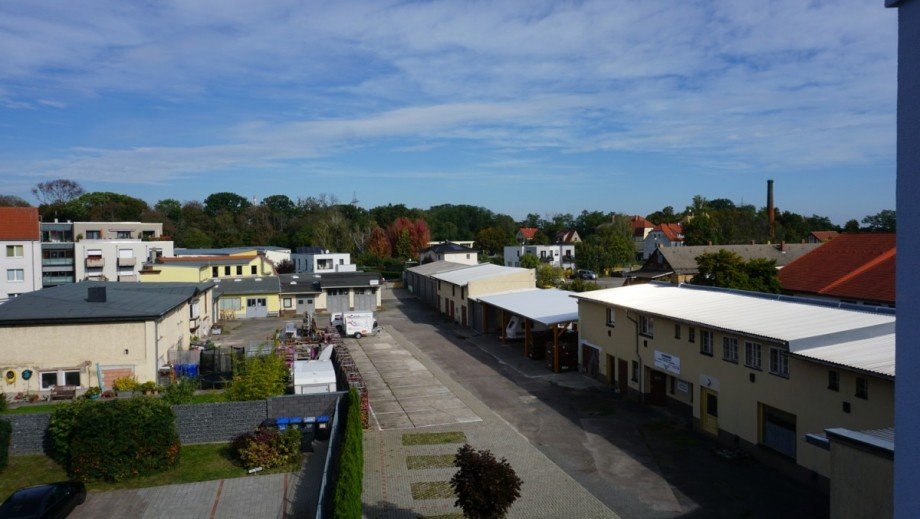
561, 255
116, 260
20, 252
316, 260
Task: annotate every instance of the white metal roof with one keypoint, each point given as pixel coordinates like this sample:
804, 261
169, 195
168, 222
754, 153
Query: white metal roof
462, 277
313, 372
875, 354
436, 267
547, 307
800, 324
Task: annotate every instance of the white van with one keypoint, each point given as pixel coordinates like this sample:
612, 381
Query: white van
515, 328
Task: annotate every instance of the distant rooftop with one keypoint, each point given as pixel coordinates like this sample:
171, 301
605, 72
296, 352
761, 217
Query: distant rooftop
19, 224
226, 251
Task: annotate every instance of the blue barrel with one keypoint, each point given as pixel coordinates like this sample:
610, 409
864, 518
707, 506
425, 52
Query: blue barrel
193, 370
283, 423
296, 422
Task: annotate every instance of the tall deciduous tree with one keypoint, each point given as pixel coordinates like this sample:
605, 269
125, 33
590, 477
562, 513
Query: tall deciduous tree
884, 221
492, 240
378, 244
55, 192
224, 201
13, 201
728, 270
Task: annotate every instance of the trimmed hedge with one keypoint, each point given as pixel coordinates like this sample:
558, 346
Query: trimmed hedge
60, 429
6, 434
346, 500
121, 439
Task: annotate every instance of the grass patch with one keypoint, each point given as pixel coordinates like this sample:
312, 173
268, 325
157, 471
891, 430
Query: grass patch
432, 490
29, 409
430, 462
196, 463
433, 438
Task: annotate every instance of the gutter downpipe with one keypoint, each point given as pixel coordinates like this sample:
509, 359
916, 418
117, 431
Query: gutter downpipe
156, 350
638, 357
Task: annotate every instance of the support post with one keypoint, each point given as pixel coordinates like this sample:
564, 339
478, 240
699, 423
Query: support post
504, 326
527, 337
555, 348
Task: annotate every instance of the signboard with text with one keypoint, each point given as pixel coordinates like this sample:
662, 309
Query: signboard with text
667, 362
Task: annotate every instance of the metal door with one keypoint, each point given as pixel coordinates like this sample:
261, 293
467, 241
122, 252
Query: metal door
305, 305
365, 300
709, 411
623, 376
256, 307
657, 388
337, 301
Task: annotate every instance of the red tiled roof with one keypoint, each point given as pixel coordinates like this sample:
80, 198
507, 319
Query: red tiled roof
824, 235
528, 232
566, 236
672, 231
639, 225
851, 266
19, 223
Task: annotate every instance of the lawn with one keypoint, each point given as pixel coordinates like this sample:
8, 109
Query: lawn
37, 408
438, 461
197, 463
208, 398
433, 438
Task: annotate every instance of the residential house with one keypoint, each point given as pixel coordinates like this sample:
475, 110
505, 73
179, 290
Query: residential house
678, 264
456, 287
462, 243
525, 234
248, 297
449, 251
820, 236
57, 253
88, 334
202, 268
274, 254
20, 252
767, 374
853, 268
663, 235
567, 236
561, 255
640, 229
116, 259
316, 260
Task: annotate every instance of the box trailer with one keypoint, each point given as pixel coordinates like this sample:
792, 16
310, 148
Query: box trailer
355, 324
314, 376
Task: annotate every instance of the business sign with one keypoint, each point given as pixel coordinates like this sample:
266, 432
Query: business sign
667, 362
709, 382
683, 387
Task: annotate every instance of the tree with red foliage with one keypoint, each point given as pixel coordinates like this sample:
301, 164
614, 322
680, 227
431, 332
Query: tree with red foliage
379, 244
419, 235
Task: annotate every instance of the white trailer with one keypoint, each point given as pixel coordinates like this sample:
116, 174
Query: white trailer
356, 324
314, 376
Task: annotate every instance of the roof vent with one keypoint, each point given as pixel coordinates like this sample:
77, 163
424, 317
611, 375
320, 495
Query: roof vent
258, 279
237, 280
95, 294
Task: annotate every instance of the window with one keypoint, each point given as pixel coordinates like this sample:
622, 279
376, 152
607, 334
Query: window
194, 310
215, 272
833, 380
779, 362
231, 304
253, 270
730, 349
227, 270
611, 317
50, 379
239, 270
15, 275
288, 302
677, 331
93, 235
635, 371
123, 235
646, 326
691, 334
14, 251
467, 256
752, 355
862, 387
706, 342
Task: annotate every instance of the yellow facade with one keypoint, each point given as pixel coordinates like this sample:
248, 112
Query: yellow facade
179, 271
458, 295
741, 399
272, 303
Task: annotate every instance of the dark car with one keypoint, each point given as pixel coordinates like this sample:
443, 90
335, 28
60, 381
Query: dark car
44, 501
586, 274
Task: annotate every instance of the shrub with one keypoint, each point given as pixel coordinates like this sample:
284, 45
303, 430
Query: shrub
181, 392
258, 378
147, 387
485, 487
6, 433
120, 439
267, 447
60, 429
91, 392
346, 500
125, 384
4, 403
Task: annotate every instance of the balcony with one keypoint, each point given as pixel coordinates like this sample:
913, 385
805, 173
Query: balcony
50, 281
127, 277
95, 262
57, 262
127, 262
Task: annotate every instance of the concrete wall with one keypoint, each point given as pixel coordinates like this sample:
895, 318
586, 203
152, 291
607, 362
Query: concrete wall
861, 482
109, 230
30, 263
804, 393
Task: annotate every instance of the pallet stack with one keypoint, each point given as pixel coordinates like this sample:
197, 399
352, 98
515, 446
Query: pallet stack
348, 370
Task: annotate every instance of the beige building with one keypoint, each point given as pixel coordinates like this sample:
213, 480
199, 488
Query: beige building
115, 260
749, 369
87, 334
457, 286
449, 251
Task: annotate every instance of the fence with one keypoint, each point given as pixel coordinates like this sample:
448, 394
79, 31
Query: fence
331, 467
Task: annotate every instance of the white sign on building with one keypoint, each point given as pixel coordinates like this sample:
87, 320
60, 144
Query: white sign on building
667, 362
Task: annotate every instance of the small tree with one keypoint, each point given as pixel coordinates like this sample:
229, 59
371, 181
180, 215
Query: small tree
258, 378
485, 487
530, 261
549, 276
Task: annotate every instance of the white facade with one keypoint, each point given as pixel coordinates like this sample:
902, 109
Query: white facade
323, 263
555, 255
115, 260
20, 268
657, 239
465, 258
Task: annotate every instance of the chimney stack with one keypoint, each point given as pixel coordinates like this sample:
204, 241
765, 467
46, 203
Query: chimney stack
771, 215
95, 294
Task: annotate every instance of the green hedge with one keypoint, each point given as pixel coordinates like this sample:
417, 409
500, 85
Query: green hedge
6, 433
121, 439
346, 500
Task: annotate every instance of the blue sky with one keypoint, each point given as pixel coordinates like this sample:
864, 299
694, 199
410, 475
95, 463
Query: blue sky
528, 106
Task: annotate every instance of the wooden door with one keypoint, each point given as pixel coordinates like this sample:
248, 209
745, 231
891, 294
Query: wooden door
463, 315
623, 376
658, 388
709, 411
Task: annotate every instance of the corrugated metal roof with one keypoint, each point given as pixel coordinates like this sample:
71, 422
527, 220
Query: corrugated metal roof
547, 307
875, 354
436, 267
248, 285
881, 439
462, 277
801, 324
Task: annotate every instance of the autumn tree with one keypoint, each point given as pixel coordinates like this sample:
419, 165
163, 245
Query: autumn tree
57, 192
417, 234
378, 244
485, 487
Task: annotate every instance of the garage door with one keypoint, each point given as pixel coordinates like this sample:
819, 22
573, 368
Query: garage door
365, 299
305, 305
337, 300
256, 307
778, 430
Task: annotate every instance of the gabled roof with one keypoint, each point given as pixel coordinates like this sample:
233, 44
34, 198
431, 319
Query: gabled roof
436, 267
567, 236
672, 231
528, 232
851, 266
823, 236
639, 225
124, 302
682, 260
248, 285
299, 284
19, 224
463, 277
447, 248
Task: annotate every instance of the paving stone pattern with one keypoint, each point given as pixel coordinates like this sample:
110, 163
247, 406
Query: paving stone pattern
29, 432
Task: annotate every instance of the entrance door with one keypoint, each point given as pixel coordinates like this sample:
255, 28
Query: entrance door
463, 315
365, 300
450, 309
709, 411
658, 388
337, 300
623, 376
256, 307
590, 360
305, 305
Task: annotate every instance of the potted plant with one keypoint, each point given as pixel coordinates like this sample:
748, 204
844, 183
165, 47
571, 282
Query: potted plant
125, 386
148, 388
108, 394
93, 393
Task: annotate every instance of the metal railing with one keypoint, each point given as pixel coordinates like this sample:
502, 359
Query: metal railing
48, 262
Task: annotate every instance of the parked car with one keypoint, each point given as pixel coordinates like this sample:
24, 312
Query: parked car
52, 501
586, 274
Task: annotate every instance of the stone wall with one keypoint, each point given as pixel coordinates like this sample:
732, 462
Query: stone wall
196, 423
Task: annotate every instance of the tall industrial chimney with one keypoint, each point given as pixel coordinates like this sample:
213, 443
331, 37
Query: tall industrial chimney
771, 213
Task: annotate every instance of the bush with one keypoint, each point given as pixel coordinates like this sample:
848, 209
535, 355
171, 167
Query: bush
121, 439
267, 447
6, 434
346, 500
4, 403
258, 378
125, 384
485, 487
60, 429
91, 392
181, 392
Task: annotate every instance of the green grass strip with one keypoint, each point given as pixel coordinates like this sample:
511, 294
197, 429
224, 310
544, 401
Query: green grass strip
432, 490
433, 438
430, 462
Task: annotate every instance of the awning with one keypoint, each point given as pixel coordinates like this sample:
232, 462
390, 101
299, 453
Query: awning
545, 306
